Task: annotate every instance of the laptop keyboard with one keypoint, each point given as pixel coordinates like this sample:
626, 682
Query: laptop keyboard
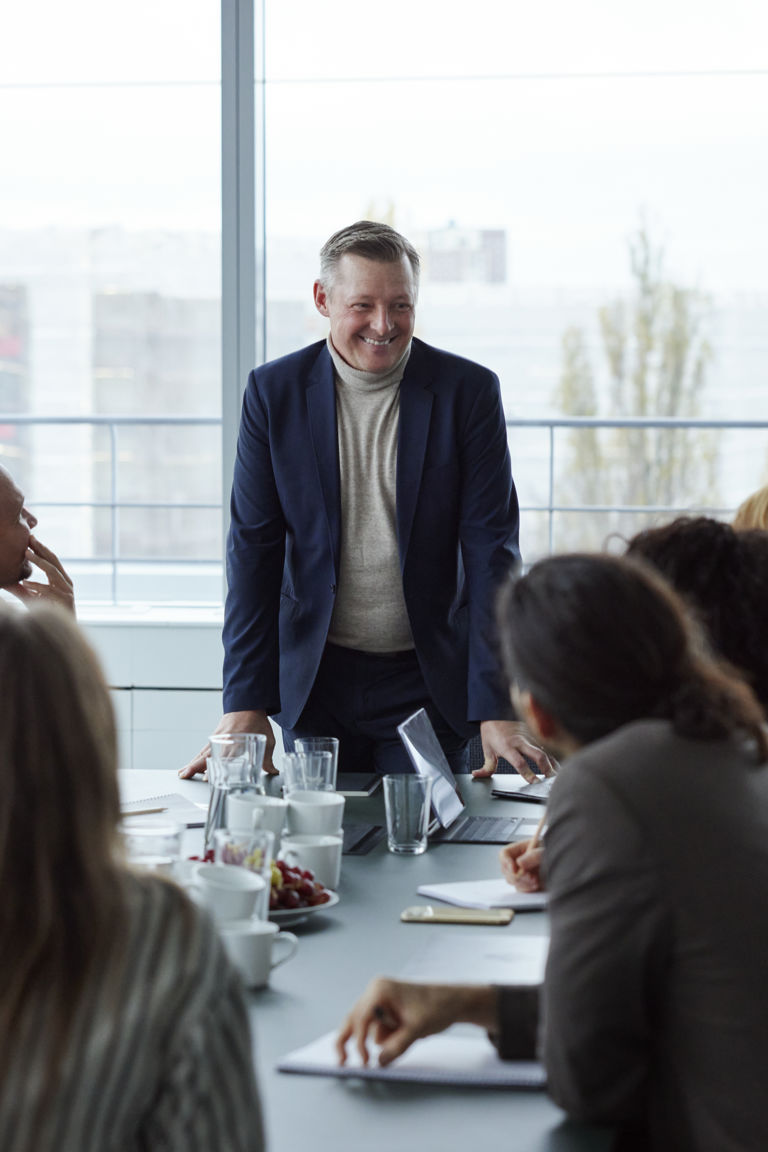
480, 830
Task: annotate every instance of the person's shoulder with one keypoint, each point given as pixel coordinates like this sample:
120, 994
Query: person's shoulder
294, 365
450, 363
158, 905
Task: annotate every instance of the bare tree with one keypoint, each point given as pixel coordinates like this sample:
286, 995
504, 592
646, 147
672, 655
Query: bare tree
654, 364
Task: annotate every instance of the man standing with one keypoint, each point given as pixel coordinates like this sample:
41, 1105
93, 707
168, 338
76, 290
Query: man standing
20, 550
373, 518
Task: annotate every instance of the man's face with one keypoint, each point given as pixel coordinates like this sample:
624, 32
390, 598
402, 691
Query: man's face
15, 524
371, 307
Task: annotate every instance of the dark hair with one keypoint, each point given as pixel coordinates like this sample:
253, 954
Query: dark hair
370, 239
722, 575
601, 641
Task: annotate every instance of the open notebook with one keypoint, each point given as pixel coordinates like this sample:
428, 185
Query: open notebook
171, 805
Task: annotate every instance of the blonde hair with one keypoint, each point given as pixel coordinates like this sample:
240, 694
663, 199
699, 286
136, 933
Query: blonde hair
753, 512
60, 871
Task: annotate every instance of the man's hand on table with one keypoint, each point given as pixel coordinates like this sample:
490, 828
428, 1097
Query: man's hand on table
396, 1013
253, 721
509, 739
521, 866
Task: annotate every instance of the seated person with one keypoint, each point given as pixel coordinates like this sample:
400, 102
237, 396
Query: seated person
722, 575
753, 512
652, 1013
19, 550
123, 1024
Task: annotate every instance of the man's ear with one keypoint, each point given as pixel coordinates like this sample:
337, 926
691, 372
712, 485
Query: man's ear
541, 722
321, 298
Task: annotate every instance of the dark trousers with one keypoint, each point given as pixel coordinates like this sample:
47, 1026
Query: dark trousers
361, 697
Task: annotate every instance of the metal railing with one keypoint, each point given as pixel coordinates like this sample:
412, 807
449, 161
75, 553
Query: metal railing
115, 504
553, 424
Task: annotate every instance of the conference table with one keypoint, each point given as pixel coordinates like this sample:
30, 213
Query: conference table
339, 951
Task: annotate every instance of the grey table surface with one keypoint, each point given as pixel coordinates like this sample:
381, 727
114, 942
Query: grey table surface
339, 951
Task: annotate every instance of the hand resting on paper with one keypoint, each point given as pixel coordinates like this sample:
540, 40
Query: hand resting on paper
511, 740
521, 866
394, 1013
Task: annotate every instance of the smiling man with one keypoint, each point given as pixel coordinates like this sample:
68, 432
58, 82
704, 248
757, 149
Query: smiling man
373, 517
20, 551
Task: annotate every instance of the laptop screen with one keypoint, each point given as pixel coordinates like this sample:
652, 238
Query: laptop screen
429, 760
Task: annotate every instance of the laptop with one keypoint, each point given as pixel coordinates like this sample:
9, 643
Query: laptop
450, 822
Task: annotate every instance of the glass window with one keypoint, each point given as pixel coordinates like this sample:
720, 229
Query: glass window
110, 284
536, 155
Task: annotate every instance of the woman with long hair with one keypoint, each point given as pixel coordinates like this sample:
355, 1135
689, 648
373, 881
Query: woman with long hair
653, 1012
123, 1026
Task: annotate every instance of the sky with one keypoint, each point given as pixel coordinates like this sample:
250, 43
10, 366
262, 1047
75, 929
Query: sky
563, 122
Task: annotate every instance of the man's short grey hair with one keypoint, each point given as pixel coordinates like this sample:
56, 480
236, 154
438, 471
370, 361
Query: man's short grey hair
370, 239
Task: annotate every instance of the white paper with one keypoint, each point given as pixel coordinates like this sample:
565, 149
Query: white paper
175, 807
494, 893
490, 957
451, 1057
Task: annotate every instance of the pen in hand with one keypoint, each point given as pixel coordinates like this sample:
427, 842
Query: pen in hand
534, 841
531, 846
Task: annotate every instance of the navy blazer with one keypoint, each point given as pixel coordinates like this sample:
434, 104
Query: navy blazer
457, 527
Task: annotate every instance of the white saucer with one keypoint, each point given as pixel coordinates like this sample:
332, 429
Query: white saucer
288, 916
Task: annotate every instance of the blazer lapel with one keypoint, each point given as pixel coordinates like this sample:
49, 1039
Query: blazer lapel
415, 410
321, 410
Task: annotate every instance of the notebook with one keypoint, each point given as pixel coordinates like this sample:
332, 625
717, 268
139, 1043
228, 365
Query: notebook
515, 788
173, 806
452, 1057
493, 893
450, 821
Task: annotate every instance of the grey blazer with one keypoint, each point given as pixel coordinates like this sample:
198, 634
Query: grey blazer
655, 1004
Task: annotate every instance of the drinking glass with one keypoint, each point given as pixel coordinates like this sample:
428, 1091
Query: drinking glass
321, 744
406, 800
234, 767
252, 850
153, 846
308, 772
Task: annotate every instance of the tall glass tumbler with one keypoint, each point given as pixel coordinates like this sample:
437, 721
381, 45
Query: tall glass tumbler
407, 802
308, 772
330, 744
234, 768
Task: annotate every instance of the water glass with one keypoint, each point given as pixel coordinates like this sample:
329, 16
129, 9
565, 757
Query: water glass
330, 744
407, 802
252, 850
308, 772
236, 758
153, 846
234, 766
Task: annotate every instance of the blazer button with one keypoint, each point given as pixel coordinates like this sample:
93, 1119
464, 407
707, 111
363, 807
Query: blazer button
333, 589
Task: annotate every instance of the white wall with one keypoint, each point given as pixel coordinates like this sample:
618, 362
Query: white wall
166, 685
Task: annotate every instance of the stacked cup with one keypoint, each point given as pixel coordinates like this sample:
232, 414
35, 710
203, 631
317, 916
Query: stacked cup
315, 810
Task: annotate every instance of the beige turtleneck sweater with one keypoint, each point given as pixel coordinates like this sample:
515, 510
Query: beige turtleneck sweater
370, 612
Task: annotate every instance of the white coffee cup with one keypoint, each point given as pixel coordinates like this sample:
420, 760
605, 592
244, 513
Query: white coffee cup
255, 947
321, 854
227, 892
315, 813
247, 812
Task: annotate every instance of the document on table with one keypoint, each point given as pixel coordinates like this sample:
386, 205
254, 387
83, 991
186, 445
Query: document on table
462, 1054
172, 806
454, 1057
479, 958
494, 893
